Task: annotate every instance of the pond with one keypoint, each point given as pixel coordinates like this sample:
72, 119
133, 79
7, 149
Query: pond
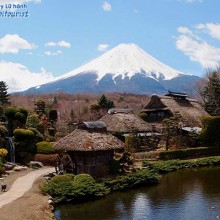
181, 195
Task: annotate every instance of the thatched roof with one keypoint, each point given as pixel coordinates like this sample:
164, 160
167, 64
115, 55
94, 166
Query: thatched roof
88, 140
125, 122
190, 110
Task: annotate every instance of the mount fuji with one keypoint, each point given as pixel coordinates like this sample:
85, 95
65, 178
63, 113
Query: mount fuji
125, 69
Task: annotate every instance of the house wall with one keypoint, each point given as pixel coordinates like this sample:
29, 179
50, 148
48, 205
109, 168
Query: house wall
94, 163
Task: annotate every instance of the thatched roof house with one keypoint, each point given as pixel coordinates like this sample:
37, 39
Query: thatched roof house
90, 147
161, 107
124, 121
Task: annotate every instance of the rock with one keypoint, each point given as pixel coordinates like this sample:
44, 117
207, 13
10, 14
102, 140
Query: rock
36, 164
50, 202
9, 166
48, 176
20, 168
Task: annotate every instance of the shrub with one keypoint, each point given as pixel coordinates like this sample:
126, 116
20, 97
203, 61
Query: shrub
20, 117
143, 116
10, 113
188, 153
67, 188
32, 121
45, 147
62, 178
60, 135
210, 132
140, 178
133, 143
23, 111
51, 131
23, 134
59, 187
3, 152
3, 129
38, 136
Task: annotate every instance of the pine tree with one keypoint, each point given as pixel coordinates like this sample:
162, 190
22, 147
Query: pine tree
104, 103
4, 96
211, 93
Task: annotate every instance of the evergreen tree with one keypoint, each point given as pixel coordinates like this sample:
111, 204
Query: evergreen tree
104, 103
211, 93
4, 96
40, 107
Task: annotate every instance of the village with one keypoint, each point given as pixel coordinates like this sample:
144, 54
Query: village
120, 149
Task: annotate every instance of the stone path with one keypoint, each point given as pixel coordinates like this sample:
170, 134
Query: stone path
22, 185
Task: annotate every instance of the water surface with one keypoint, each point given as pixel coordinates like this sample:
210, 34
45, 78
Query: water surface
189, 194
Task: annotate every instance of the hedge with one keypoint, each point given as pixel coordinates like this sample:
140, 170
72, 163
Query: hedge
45, 147
171, 165
21, 134
189, 153
46, 159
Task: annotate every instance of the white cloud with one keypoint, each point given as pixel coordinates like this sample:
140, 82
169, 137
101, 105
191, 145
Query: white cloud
212, 29
103, 47
107, 6
12, 43
61, 43
18, 77
193, 44
203, 53
57, 53
184, 30
3, 2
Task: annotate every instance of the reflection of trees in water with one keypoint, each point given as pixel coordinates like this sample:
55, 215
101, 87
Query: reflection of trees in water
176, 189
176, 186
111, 207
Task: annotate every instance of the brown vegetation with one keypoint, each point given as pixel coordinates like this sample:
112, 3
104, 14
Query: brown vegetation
74, 108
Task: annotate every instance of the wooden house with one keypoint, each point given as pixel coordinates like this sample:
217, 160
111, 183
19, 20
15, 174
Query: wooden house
161, 107
88, 149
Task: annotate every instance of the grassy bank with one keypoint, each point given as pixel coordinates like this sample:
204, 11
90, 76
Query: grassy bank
82, 187
171, 165
70, 188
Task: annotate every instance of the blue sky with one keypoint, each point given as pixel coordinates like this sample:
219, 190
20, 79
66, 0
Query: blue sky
59, 36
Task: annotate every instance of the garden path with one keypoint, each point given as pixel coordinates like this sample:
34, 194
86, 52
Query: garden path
22, 185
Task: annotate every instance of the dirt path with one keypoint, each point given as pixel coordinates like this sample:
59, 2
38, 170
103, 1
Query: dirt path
21, 186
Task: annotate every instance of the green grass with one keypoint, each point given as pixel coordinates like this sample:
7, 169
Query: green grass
171, 165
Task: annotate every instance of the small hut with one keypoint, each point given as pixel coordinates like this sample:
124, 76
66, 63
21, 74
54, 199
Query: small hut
88, 149
161, 107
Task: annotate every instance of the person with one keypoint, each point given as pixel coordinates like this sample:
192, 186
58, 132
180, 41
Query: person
3, 186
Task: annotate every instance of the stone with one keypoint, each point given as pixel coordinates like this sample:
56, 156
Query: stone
9, 166
36, 164
20, 168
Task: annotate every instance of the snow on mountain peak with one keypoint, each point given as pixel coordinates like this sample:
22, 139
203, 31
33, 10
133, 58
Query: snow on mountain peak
126, 60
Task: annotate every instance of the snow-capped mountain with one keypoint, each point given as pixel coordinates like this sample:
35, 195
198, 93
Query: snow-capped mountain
125, 68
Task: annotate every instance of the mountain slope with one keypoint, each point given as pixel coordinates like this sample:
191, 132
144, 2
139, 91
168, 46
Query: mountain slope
125, 68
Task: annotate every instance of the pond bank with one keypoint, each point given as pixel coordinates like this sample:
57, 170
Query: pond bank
85, 188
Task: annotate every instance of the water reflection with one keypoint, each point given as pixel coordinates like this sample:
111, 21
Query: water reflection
182, 195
